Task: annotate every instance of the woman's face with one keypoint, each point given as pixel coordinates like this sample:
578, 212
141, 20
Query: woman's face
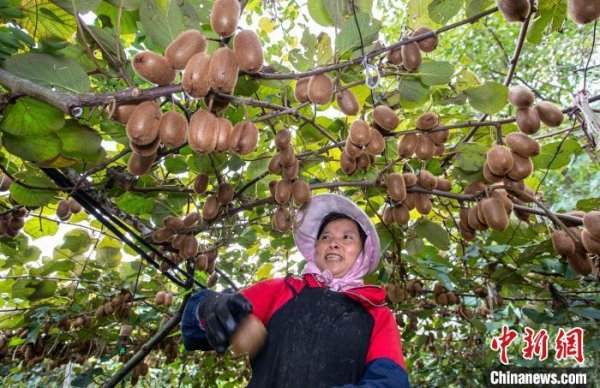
338, 247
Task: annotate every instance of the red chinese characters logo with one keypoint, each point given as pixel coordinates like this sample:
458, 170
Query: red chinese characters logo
503, 342
570, 344
537, 344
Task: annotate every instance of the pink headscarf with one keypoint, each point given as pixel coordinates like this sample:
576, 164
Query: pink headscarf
351, 279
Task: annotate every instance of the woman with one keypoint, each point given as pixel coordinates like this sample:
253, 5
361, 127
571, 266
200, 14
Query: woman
325, 328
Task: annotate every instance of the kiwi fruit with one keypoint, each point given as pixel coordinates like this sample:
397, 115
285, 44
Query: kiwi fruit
225, 16
423, 203
249, 337
575, 213
425, 147
385, 118
203, 131
396, 187
502, 196
466, 232
463, 215
291, 172
550, 114
200, 183
473, 219
591, 244
301, 90
201, 262
188, 43
410, 179
274, 166
579, 247
387, 216
563, 244
513, 186
360, 133
248, 51
427, 180
395, 56
153, 68
286, 156
514, 10
521, 96
300, 192
320, 89
494, 214
411, 56
580, 263
123, 112
452, 298
411, 200
139, 165
223, 70
224, 128
591, 222
474, 187
195, 81
438, 150
489, 176
522, 168
400, 214
443, 184
428, 44
173, 223
63, 212
225, 193
363, 161
142, 127
522, 144
191, 219
74, 206
439, 137
283, 138
347, 163
283, 191
442, 299
347, 102
172, 129
145, 150
282, 221
408, 145
499, 160
352, 150
377, 144
189, 248
211, 208
244, 138
427, 121
584, 11
528, 120
273, 187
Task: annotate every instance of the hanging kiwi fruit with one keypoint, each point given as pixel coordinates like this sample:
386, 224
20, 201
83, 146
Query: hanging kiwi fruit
549, 114
153, 68
347, 163
203, 131
347, 102
528, 120
522, 144
195, 81
584, 11
225, 193
396, 187
142, 127
223, 70
407, 145
499, 160
225, 16
172, 129
224, 128
427, 121
395, 56
425, 148
147, 149
200, 183
211, 208
283, 191
411, 56
248, 51
591, 222
282, 220
320, 89
360, 133
385, 119
563, 244
123, 112
188, 43
244, 138
377, 143
63, 211
300, 192
301, 90
521, 96
140, 165
427, 180
514, 10
426, 45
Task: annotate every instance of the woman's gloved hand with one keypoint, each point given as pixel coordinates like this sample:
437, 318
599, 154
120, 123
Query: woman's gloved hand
221, 314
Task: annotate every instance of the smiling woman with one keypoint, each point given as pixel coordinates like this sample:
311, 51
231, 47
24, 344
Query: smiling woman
326, 328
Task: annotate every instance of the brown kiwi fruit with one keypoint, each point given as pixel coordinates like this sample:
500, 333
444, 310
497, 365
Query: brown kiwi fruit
172, 129
225, 16
63, 211
223, 70
550, 114
425, 147
528, 120
145, 150
274, 166
225, 193
320, 89
200, 183
387, 216
282, 138
466, 232
168, 299
377, 144
490, 176
579, 247
410, 179
283, 191
438, 150
201, 262
173, 223
411, 56
396, 187
395, 56
286, 156
225, 129
153, 68
591, 222
474, 187
74, 206
142, 127
443, 184
427, 121
591, 244
575, 213
347, 163
522, 215
428, 44
522, 144
514, 10
584, 11
189, 248
499, 160
188, 43
300, 192
123, 112
452, 298
352, 150
494, 214
522, 168
191, 219
502, 196
521, 96
463, 215
248, 51
513, 186
273, 187
244, 138
282, 221
580, 263
385, 118
400, 214
423, 203
563, 244
439, 137
347, 102
203, 131
363, 161
301, 90
442, 299
139, 165
408, 145
195, 81
291, 172
249, 337
411, 200
427, 180
360, 133
473, 220
211, 208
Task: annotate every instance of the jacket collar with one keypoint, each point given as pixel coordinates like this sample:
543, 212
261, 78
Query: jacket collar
368, 295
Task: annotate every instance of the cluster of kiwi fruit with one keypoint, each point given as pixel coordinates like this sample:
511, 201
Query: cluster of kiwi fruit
513, 163
491, 212
173, 231
79, 321
213, 203
317, 89
362, 145
428, 143
170, 348
530, 117
117, 305
443, 297
66, 208
12, 223
140, 370
164, 298
578, 253
584, 11
398, 294
409, 55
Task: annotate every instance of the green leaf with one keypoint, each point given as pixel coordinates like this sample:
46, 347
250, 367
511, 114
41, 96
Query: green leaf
434, 233
436, 73
42, 289
176, 165
135, 204
39, 227
162, 20
317, 11
556, 155
588, 312
470, 156
28, 117
47, 20
33, 148
411, 89
348, 37
77, 241
108, 257
588, 204
79, 142
49, 71
477, 6
81, 6
337, 10
441, 11
57, 266
489, 98
27, 196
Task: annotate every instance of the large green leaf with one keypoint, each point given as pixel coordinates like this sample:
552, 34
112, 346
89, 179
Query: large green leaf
436, 73
28, 196
318, 11
50, 71
79, 142
434, 233
162, 20
412, 90
77, 241
30, 117
348, 37
488, 98
470, 156
33, 148
441, 11
79, 6
38, 227
43, 19
556, 155
42, 289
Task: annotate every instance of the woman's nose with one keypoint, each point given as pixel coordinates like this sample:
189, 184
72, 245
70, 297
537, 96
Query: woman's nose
334, 243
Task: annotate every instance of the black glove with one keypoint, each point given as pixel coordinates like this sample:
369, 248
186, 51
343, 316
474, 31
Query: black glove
221, 314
